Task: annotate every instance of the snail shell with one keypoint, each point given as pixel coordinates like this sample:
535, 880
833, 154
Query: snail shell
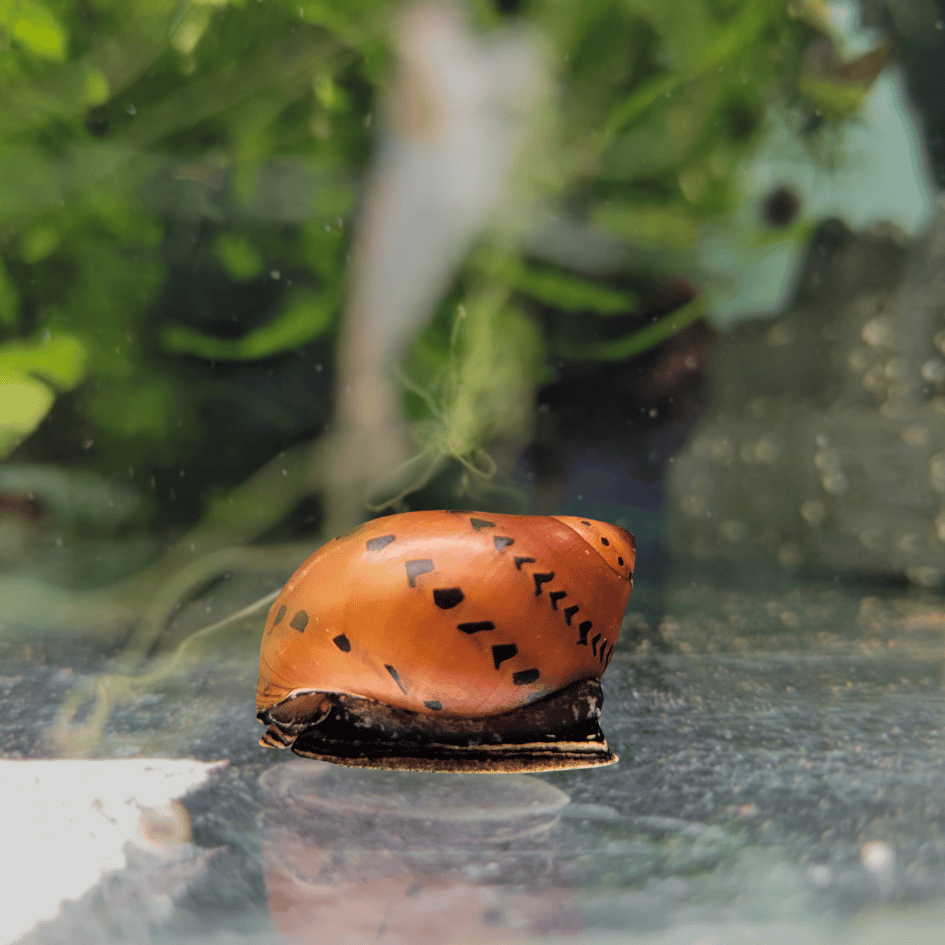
448, 640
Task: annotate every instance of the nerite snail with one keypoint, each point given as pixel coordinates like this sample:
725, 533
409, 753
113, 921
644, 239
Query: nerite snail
448, 641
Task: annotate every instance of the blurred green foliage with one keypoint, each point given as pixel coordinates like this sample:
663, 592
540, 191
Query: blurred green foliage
30, 374
177, 186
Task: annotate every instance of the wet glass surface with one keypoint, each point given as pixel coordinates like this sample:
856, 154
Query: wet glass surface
780, 779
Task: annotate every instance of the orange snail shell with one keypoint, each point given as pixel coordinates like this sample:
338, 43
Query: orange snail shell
435, 639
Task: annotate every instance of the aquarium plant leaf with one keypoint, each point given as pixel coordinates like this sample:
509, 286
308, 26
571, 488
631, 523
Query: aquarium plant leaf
622, 349
307, 317
34, 27
30, 373
567, 291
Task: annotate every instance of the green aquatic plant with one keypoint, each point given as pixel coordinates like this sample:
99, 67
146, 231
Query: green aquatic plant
480, 390
31, 374
178, 185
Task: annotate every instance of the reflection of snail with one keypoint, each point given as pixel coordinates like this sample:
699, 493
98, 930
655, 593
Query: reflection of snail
448, 641
366, 856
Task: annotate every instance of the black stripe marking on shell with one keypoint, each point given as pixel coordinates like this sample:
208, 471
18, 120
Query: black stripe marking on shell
569, 612
343, 643
279, 615
379, 543
525, 676
448, 597
520, 561
433, 704
299, 621
476, 626
396, 677
502, 652
480, 523
542, 579
585, 628
416, 568
502, 542
555, 597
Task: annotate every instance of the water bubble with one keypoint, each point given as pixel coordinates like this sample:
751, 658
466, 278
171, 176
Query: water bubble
877, 332
813, 512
